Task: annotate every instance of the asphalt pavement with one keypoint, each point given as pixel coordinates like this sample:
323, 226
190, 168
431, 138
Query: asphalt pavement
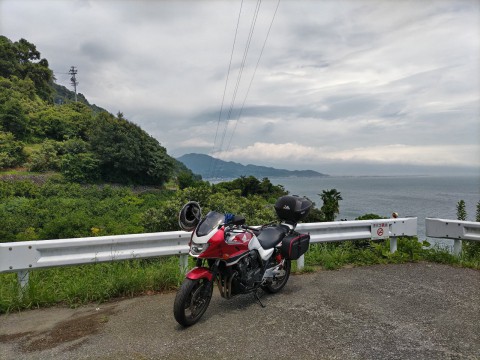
408, 311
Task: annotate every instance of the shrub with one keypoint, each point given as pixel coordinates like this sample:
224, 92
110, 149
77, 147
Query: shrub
164, 218
370, 217
81, 168
11, 151
46, 158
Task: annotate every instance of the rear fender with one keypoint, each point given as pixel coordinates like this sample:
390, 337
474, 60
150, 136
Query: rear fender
200, 273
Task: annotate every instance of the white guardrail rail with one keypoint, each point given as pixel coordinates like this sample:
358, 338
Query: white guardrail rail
456, 230
22, 256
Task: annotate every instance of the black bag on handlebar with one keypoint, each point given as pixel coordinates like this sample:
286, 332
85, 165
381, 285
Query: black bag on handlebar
295, 245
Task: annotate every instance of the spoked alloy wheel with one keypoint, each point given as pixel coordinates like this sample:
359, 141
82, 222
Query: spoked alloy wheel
278, 282
192, 301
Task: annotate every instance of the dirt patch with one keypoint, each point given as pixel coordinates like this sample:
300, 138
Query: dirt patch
38, 179
4, 338
72, 332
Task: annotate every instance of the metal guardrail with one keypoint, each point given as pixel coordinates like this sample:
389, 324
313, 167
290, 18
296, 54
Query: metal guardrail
25, 255
20, 257
359, 230
456, 230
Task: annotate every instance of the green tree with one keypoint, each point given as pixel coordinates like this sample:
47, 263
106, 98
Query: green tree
17, 103
11, 151
128, 154
471, 249
22, 59
477, 217
8, 57
250, 186
63, 122
314, 215
461, 211
13, 118
31, 65
46, 158
81, 167
330, 207
186, 179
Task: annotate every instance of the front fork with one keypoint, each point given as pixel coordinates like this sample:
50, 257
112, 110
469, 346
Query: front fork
201, 272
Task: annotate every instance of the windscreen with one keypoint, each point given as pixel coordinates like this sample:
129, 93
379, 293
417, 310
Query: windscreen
210, 222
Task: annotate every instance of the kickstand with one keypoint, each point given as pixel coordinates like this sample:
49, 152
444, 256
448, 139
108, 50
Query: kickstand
255, 295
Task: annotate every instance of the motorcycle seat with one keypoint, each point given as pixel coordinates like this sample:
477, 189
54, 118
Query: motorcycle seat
271, 236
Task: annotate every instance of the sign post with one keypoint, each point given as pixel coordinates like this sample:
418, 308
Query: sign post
380, 231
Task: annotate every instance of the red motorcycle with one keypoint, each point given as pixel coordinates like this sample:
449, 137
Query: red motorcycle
240, 259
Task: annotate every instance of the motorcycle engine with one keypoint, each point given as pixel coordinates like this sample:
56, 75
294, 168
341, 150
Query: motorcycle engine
249, 271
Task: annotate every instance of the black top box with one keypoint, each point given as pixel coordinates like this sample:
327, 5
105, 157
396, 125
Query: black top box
292, 208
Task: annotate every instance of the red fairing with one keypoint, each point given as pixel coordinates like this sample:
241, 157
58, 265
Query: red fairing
200, 273
219, 248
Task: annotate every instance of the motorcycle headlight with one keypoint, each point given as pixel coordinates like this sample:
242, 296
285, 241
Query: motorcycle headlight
197, 249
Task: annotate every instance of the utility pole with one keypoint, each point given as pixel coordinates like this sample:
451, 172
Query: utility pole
73, 80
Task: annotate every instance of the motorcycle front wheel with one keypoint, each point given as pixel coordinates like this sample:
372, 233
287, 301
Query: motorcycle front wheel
279, 282
192, 301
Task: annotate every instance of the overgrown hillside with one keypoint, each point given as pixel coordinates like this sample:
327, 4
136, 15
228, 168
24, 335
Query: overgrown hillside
42, 129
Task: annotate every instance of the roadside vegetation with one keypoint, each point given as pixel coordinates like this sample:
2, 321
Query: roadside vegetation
51, 208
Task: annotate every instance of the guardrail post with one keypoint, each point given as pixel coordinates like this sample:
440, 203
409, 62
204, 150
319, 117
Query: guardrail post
183, 263
22, 277
456, 230
301, 262
457, 247
393, 244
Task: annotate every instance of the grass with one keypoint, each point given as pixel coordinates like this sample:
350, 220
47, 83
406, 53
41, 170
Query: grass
332, 256
100, 282
18, 171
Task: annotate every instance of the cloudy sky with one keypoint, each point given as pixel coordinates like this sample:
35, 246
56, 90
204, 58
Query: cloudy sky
343, 87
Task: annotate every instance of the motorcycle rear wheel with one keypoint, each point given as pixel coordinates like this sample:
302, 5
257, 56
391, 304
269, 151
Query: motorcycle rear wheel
279, 282
192, 301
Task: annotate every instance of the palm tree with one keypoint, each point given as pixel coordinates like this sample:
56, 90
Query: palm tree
330, 206
461, 212
477, 218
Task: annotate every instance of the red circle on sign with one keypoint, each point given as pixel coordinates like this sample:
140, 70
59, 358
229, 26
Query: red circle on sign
380, 232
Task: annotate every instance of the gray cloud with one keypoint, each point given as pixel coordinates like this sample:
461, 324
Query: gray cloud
338, 82
98, 51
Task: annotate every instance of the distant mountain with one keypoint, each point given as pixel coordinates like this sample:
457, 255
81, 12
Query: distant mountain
209, 167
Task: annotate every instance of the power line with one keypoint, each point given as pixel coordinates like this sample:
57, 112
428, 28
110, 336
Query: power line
245, 53
213, 164
239, 76
225, 88
251, 80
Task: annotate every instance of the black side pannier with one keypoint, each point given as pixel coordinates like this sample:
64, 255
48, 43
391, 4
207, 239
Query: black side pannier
295, 245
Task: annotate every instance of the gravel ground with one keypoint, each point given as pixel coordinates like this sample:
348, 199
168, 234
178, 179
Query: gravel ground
410, 311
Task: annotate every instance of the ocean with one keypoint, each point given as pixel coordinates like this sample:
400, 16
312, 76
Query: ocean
417, 196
